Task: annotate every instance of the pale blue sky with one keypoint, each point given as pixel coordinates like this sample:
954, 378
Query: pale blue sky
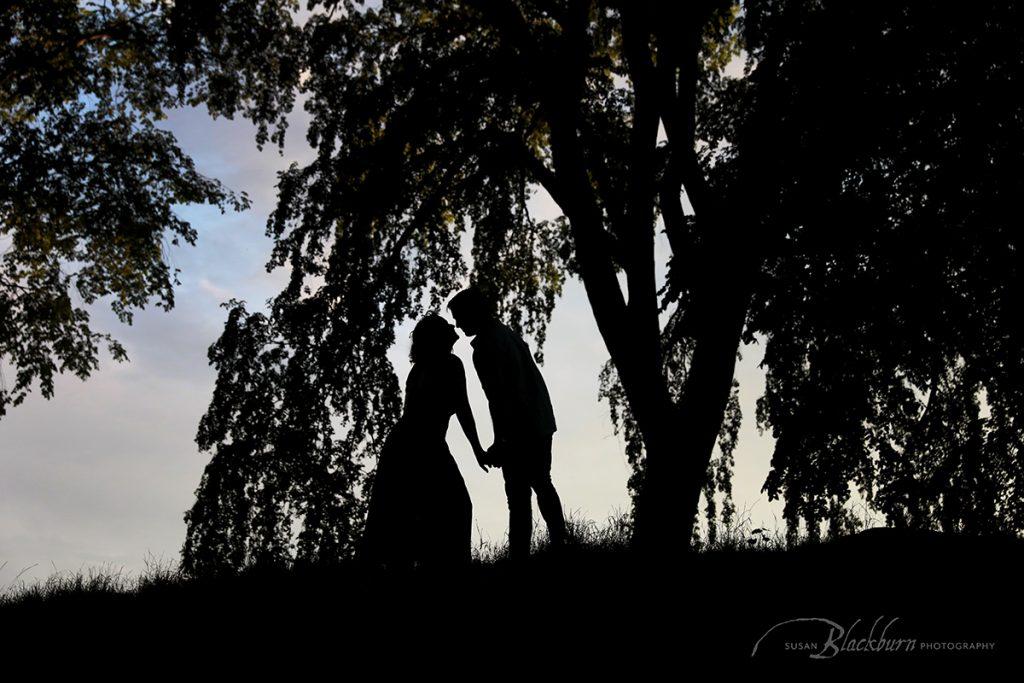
102, 474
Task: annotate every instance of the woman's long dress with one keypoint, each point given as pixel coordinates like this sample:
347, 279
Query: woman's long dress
420, 510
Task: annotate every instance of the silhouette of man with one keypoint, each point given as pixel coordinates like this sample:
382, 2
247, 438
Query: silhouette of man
522, 416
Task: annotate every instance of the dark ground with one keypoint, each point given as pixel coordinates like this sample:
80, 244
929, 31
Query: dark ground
939, 597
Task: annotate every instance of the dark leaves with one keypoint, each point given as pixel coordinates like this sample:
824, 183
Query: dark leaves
88, 183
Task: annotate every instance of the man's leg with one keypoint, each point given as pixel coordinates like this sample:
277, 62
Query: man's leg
520, 511
547, 498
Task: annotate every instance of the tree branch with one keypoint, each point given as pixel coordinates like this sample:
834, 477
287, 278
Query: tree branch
677, 97
419, 218
560, 90
518, 150
643, 134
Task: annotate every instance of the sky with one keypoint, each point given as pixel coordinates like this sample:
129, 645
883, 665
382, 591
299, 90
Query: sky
101, 475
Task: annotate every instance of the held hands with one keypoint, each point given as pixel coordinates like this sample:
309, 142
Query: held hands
492, 457
495, 456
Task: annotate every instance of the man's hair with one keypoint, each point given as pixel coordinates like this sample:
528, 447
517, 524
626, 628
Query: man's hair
472, 301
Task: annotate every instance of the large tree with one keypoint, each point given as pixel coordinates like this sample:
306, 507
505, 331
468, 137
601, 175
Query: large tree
431, 118
888, 260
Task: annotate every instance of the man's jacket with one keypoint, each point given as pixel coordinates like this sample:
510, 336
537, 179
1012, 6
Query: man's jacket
516, 393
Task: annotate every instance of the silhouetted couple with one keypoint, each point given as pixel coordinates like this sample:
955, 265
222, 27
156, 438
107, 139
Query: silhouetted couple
420, 510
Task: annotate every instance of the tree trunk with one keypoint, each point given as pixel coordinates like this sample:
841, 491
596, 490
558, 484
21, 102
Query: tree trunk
679, 447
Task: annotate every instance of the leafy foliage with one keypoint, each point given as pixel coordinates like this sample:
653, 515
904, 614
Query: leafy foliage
872, 212
892, 347
88, 181
372, 232
276, 464
852, 199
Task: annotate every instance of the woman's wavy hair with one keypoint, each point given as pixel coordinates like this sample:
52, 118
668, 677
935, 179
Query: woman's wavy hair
433, 336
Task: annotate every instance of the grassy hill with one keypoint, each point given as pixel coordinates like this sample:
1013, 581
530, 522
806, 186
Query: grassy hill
925, 595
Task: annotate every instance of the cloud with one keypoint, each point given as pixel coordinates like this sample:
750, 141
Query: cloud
219, 294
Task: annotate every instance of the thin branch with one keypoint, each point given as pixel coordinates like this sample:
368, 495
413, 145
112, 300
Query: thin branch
560, 91
529, 161
427, 207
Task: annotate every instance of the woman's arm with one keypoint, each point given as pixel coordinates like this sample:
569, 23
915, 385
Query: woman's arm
465, 414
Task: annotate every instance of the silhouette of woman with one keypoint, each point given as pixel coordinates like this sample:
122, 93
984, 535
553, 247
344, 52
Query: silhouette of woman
420, 511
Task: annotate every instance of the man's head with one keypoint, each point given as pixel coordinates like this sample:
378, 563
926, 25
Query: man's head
471, 310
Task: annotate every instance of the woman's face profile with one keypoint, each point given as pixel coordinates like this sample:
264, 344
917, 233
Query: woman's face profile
453, 335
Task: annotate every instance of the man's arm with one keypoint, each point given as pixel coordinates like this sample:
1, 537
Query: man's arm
488, 369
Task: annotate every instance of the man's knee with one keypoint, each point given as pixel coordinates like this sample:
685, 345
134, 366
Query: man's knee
520, 500
540, 477
540, 481
517, 491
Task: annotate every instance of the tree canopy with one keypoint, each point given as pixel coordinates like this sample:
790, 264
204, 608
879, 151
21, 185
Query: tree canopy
893, 353
89, 181
847, 199
850, 196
